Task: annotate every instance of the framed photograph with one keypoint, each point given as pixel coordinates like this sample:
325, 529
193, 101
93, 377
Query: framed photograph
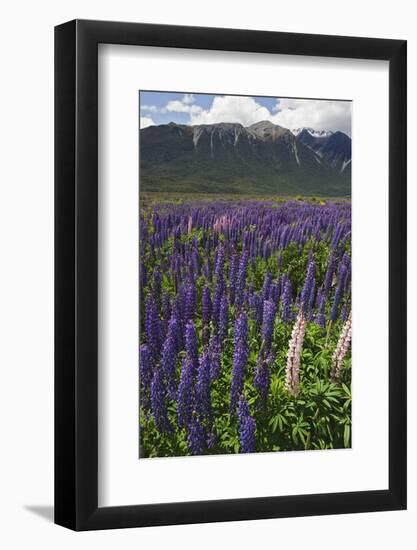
230, 247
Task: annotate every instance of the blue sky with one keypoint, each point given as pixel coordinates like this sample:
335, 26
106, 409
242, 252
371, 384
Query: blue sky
191, 108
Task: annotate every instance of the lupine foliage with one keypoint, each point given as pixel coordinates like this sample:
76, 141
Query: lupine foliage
245, 326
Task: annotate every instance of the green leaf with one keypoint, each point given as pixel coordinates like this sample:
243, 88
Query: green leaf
274, 423
346, 436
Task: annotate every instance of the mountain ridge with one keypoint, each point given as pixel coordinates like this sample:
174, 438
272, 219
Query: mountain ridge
229, 157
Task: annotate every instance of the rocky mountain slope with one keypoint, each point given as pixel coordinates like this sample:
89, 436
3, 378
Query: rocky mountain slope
229, 158
333, 148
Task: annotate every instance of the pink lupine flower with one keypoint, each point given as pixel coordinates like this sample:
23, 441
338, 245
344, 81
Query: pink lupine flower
221, 224
341, 349
292, 374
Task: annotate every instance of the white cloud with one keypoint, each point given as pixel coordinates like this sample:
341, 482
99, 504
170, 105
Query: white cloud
289, 113
184, 105
146, 121
176, 106
317, 114
188, 99
149, 108
244, 110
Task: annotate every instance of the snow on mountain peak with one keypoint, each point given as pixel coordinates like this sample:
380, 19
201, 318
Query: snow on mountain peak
312, 132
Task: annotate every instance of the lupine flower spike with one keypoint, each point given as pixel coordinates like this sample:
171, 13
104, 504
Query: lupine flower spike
292, 373
247, 427
341, 349
240, 358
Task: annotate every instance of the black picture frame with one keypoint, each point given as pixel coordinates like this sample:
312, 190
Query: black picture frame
76, 271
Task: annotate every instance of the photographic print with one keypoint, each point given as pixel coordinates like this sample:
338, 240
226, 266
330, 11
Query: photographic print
244, 274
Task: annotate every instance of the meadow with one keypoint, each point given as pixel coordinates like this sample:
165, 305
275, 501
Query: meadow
245, 324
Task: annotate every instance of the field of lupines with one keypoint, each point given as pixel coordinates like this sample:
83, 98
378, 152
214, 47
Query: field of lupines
245, 326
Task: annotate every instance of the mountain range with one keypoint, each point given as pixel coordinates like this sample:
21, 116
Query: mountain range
263, 158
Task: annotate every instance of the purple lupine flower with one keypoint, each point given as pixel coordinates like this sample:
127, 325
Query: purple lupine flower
247, 427
196, 439
232, 276
157, 281
191, 344
215, 357
195, 261
211, 440
258, 308
339, 291
206, 306
321, 305
163, 325
274, 292
219, 265
145, 373
344, 312
241, 279
202, 390
190, 301
223, 317
308, 288
185, 394
348, 264
311, 301
328, 278
178, 306
207, 270
266, 286
169, 358
158, 405
262, 379
268, 318
252, 303
152, 326
166, 306
218, 292
174, 331
286, 300
336, 236
266, 250
143, 275
240, 358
